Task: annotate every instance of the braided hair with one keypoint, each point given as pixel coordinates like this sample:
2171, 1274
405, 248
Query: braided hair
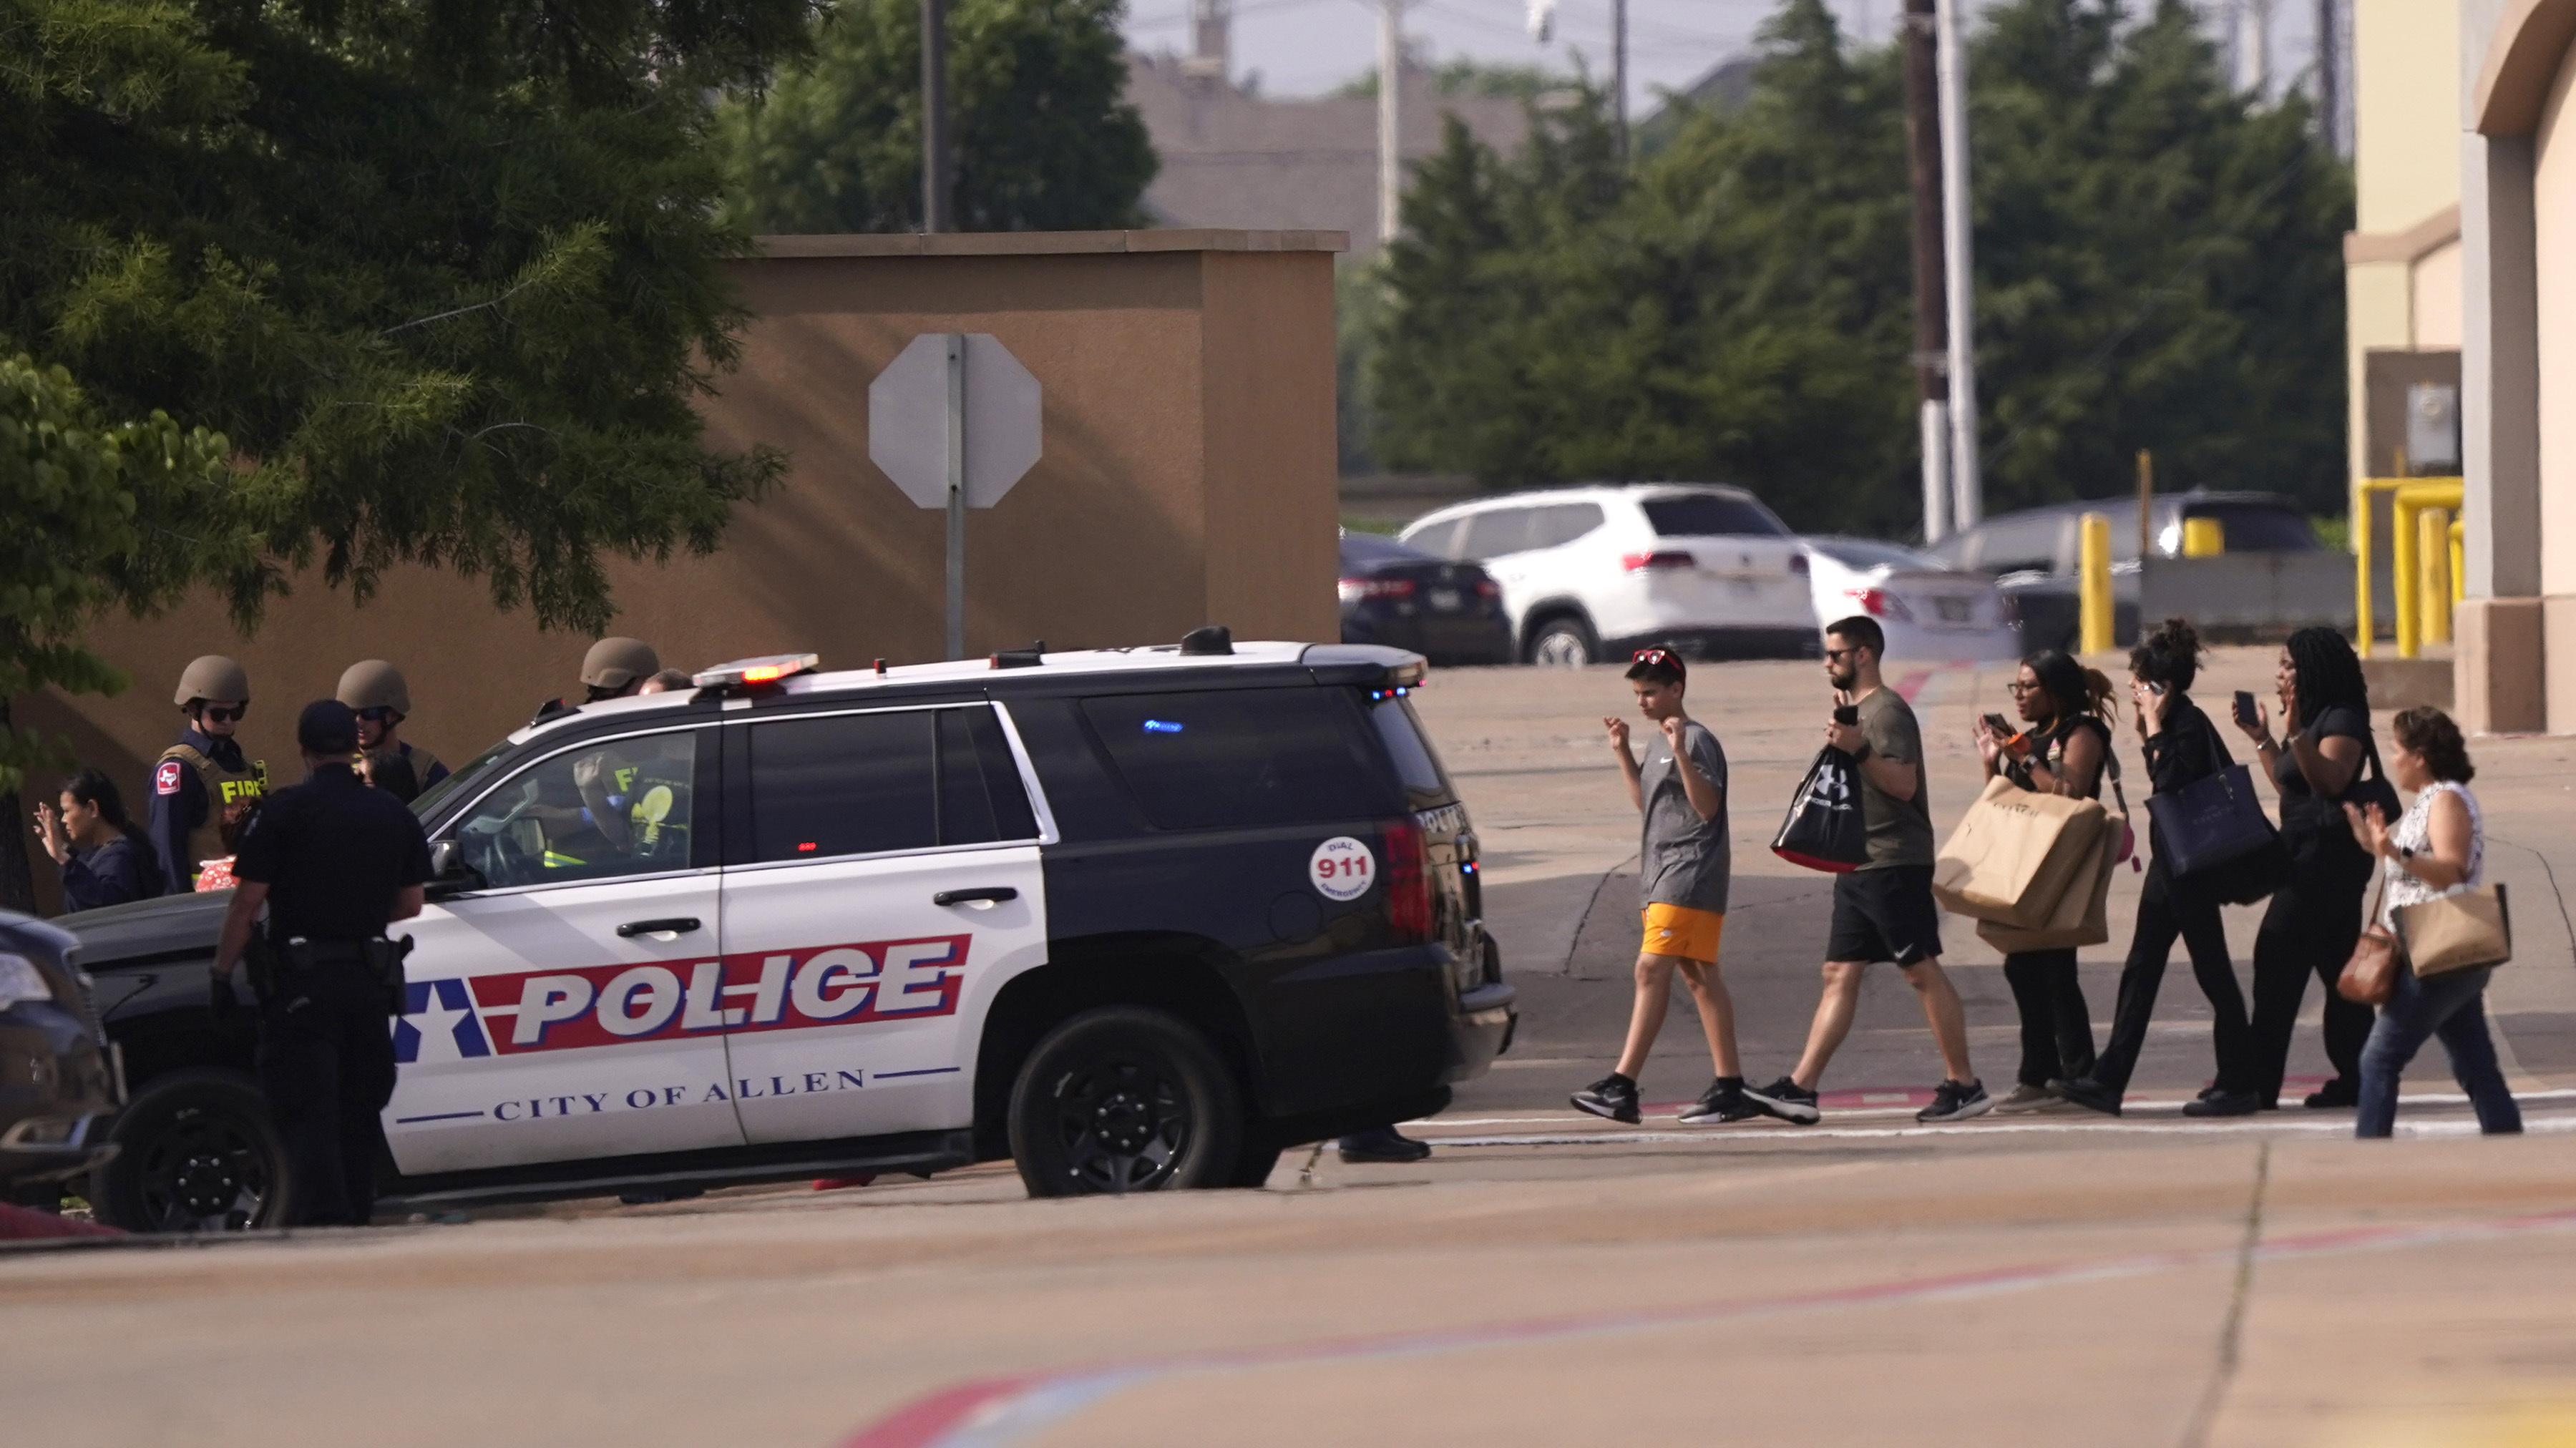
2329, 673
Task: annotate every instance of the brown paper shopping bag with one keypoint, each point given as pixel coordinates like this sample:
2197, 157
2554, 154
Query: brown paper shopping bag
2013, 854
2083, 914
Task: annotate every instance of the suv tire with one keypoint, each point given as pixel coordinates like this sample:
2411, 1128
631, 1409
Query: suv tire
199, 1154
1564, 643
1124, 1099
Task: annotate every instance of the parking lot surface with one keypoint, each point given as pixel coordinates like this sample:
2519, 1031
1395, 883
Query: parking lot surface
1545, 1277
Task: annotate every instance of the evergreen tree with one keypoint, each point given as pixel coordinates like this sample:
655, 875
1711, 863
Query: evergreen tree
1044, 138
2157, 262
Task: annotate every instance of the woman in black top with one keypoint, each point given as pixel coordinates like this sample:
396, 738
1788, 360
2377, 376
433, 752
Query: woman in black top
2314, 919
2182, 748
105, 860
2063, 752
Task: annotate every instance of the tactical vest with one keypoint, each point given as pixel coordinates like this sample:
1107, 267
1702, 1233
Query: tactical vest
223, 790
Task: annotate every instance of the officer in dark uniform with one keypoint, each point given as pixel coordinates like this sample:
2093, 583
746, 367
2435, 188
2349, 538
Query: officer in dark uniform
613, 669
334, 862
375, 691
202, 786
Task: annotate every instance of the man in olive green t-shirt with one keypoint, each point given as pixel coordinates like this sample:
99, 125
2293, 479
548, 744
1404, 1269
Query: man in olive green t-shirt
1884, 909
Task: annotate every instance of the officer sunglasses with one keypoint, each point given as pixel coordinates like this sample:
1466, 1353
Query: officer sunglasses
376, 714
218, 714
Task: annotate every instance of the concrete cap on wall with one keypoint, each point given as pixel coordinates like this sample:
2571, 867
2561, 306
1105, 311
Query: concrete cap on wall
1047, 243
2523, 58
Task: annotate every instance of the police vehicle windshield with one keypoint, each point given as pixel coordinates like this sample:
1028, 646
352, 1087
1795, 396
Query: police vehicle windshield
428, 800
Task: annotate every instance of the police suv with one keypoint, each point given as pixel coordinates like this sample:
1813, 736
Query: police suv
1134, 918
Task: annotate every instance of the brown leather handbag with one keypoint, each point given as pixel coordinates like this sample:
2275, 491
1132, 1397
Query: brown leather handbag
2370, 977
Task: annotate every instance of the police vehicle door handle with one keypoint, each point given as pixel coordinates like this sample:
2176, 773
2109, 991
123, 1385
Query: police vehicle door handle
676, 925
993, 893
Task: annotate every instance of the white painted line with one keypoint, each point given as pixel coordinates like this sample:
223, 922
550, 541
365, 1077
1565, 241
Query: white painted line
2451, 1126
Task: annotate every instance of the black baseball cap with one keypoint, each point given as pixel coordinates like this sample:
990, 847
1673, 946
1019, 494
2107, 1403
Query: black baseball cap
327, 726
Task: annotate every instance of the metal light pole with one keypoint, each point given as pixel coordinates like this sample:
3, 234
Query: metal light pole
1619, 73
1390, 117
1967, 479
1931, 311
937, 184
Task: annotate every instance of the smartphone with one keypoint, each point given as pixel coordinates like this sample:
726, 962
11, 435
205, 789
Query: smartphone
1846, 713
2245, 709
2156, 689
1998, 726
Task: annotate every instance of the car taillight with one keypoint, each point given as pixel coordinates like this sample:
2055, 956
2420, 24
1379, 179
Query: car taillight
1488, 588
1879, 603
1354, 589
1408, 881
1657, 561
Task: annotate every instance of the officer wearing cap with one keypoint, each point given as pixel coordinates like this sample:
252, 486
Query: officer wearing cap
613, 669
334, 862
374, 690
202, 787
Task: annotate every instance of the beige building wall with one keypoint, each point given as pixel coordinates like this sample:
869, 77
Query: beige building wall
2433, 304
2402, 269
1188, 477
2553, 197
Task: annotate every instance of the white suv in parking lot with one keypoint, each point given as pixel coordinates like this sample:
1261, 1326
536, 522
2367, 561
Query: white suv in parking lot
1592, 573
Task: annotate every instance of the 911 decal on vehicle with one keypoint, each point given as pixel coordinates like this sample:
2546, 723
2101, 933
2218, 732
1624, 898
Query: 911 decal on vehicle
607, 1005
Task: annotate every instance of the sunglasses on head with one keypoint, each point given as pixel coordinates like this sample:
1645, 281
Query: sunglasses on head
219, 714
376, 714
1653, 656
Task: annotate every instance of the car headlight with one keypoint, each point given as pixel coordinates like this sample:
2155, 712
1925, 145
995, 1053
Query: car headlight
21, 981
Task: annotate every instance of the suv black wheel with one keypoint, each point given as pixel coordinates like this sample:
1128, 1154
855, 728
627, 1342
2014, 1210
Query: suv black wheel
1120, 1100
1564, 643
199, 1155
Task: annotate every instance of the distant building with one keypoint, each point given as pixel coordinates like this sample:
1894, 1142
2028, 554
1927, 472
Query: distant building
1239, 160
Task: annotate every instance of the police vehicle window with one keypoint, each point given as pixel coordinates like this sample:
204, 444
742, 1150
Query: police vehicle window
1497, 531
980, 797
607, 810
1704, 515
1244, 757
843, 784
1410, 748
428, 800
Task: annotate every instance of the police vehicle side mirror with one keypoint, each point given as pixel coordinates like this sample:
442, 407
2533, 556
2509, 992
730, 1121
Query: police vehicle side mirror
448, 872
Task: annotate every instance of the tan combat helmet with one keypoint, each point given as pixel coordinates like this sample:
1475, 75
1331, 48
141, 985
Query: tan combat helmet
614, 663
374, 684
215, 679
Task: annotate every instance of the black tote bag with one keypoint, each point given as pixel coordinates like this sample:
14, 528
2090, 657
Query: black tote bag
2211, 823
1824, 829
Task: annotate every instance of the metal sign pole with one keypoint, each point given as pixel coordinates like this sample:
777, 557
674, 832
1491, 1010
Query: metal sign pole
956, 494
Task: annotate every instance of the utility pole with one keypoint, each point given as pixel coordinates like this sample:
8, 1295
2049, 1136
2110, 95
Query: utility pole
1967, 478
1211, 40
1931, 309
2330, 76
1619, 74
2254, 48
1390, 117
938, 186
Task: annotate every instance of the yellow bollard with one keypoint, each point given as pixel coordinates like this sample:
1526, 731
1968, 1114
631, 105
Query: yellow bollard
2203, 537
2094, 583
2433, 569
2406, 578
2362, 603
2459, 562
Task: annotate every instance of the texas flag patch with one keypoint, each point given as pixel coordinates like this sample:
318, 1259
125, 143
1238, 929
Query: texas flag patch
165, 780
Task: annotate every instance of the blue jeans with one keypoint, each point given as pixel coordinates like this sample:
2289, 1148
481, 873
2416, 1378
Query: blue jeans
2450, 1006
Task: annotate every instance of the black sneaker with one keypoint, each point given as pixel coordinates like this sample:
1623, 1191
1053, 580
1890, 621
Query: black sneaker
1787, 1100
1956, 1101
2335, 1093
1383, 1143
2223, 1103
1722, 1102
2089, 1094
1613, 1096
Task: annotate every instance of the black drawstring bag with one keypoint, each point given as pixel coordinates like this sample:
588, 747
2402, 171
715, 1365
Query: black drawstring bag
1824, 829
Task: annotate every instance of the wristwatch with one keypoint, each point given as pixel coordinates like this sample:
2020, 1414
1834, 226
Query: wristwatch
2406, 852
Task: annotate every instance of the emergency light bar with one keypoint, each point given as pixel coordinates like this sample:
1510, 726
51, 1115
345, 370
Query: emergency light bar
767, 669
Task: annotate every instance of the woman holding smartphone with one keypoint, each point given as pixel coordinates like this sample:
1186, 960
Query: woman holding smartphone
2063, 749
2314, 919
2182, 748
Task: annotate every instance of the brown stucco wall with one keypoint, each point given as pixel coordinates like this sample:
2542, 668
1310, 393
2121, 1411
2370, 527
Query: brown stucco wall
1188, 478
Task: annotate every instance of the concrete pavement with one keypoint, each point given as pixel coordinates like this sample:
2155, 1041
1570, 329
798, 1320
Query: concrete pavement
1544, 1278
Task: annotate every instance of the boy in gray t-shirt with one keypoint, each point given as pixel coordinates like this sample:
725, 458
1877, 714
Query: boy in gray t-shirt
1682, 862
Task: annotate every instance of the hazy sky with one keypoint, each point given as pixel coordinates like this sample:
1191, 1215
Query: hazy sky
1302, 47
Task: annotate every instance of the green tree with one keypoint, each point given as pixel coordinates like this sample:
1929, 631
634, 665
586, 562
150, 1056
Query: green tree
445, 274
2157, 267
1044, 137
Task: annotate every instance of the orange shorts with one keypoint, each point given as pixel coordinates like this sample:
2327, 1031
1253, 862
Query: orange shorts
1680, 930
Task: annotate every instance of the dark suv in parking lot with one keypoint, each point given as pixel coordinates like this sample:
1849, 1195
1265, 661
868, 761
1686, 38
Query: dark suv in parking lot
58, 1079
1134, 919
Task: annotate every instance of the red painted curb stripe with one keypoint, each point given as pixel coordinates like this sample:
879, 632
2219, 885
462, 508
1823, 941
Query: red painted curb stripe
943, 1417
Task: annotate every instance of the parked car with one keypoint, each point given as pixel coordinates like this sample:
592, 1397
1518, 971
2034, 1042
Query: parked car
2035, 554
1402, 597
1593, 573
1927, 609
58, 1079
1134, 919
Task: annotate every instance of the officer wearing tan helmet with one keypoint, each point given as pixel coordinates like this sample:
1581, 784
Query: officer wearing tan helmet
613, 669
375, 691
202, 786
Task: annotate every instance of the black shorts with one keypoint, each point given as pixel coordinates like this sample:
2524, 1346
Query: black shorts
1885, 914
